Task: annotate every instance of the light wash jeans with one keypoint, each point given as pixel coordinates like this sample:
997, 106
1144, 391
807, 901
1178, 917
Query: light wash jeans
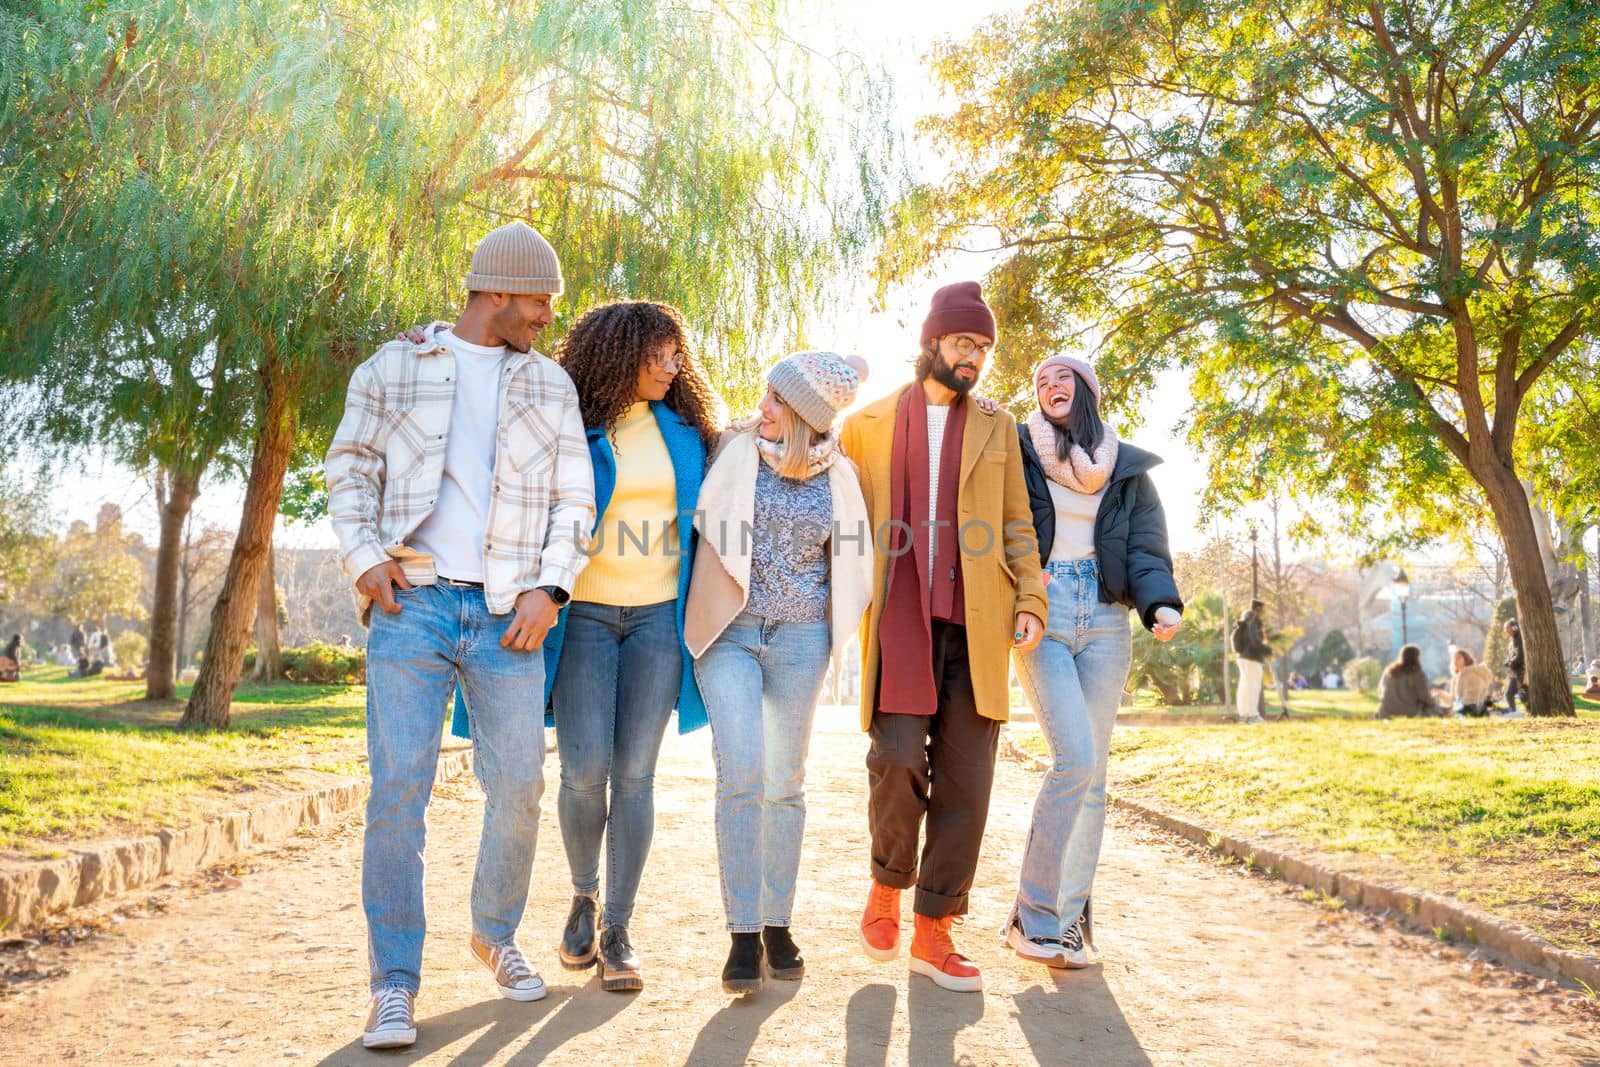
761, 680
1074, 680
614, 691
443, 633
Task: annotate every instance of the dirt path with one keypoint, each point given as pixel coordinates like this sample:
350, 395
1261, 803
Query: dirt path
1202, 964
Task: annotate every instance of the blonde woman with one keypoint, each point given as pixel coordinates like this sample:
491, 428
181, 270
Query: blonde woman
781, 579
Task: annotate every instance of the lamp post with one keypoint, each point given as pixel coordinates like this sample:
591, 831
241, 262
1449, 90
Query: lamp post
1400, 586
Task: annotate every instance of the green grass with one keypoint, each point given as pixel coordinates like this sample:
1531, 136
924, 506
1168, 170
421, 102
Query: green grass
1334, 703
1502, 813
86, 758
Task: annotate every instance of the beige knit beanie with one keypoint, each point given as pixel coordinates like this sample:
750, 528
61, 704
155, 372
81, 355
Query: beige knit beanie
515, 259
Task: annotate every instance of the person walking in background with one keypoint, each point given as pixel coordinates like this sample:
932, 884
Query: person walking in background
1103, 540
617, 661
1471, 684
956, 586
79, 642
460, 489
776, 594
1251, 650
1404, 691
1516, 667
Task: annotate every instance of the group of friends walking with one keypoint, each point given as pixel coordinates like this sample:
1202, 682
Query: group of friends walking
575, 542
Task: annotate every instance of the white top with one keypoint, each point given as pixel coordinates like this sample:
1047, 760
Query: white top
454, 530
938, 415
1075, 515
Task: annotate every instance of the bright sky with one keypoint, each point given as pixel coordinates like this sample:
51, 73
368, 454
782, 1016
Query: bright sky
901, 33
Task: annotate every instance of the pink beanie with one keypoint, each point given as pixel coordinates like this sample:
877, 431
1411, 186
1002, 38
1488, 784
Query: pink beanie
1085, 372
959, 308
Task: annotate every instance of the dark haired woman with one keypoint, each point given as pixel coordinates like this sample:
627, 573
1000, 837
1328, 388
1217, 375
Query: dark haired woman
1103, 541
1404, 690
767, 610
615, 663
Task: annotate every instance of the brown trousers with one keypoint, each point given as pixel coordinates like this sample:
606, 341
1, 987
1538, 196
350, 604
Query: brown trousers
938, 766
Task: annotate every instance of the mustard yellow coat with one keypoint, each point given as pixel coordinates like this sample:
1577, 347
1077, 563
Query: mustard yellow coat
1000, 574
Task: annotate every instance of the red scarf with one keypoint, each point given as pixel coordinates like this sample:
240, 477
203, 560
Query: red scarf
906, 685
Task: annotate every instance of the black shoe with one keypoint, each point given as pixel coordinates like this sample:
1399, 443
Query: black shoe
577, 940
620, 971
783, 955
741, 975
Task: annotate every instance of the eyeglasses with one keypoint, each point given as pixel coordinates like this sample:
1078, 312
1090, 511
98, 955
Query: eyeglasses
966, 346
659, 362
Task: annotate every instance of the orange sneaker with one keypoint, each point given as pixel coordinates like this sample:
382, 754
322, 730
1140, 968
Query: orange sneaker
880, 923
933, 954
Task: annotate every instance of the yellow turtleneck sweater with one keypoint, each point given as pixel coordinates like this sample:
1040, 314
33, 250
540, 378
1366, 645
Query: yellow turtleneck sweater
643, 511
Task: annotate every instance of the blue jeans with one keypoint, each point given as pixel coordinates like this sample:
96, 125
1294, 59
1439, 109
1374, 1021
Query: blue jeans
614, 691
761, 680
1074, 680
444, 633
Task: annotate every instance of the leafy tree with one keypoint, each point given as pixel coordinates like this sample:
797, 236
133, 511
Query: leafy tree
1188, 669
97, 574
323, 171
1334, 650
27, 543
1368, 228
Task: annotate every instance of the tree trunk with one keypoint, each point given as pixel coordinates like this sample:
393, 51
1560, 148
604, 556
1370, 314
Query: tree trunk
210, 703
185, 575
1548, 691
269, 650
175, 498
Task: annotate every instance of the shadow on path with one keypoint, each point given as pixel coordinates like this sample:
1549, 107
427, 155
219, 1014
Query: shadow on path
559, 1018
1075, 1018
730, 1034
869, 1025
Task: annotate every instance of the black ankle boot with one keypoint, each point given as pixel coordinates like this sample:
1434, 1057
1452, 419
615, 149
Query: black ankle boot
742, 973
783, 955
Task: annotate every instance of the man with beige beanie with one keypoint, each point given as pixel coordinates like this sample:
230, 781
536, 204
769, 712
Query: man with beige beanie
460, 487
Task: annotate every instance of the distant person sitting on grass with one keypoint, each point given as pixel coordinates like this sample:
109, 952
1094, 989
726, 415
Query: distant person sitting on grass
11, 660
1471, 685
1405, 691
1593, 689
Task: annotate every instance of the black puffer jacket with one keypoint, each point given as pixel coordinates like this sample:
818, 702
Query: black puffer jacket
1130, 531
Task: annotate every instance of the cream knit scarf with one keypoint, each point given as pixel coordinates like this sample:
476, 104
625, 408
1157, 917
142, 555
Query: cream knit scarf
1080, 472
819, 457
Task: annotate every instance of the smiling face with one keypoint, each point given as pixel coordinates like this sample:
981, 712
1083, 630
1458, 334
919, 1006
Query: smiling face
771, 408
518, 318
657, 372
1055, 390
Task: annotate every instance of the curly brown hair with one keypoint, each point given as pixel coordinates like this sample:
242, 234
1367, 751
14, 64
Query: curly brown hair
604, 351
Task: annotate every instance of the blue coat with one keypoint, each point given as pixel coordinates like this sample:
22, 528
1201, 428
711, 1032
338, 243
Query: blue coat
688, 454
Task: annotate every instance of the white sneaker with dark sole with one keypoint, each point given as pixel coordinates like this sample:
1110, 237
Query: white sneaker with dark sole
389, 1020
1046, 950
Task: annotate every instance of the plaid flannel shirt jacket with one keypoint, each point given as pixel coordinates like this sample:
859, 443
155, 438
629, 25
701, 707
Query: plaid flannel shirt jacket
387, 459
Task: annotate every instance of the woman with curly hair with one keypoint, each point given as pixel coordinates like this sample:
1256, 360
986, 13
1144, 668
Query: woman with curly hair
615, 662
616, 659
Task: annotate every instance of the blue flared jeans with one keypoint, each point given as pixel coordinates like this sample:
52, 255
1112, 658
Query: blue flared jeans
761, 679
1074, 679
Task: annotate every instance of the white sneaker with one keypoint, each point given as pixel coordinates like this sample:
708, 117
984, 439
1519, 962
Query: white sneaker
513, 975
389, 1020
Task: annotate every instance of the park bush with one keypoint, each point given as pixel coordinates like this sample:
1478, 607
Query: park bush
320, 662
1361, 674
130, 647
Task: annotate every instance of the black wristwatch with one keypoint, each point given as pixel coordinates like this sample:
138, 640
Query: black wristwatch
557, 594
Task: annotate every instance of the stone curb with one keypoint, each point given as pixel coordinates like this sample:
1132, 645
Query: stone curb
1417, 908
30, 891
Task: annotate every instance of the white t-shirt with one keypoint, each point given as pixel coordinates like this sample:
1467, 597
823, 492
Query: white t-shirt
454, 530
1075, 515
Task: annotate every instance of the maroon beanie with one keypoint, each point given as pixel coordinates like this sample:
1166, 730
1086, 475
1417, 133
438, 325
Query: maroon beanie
959, 308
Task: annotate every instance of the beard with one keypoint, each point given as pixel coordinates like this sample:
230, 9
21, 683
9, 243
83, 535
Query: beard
943, 373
